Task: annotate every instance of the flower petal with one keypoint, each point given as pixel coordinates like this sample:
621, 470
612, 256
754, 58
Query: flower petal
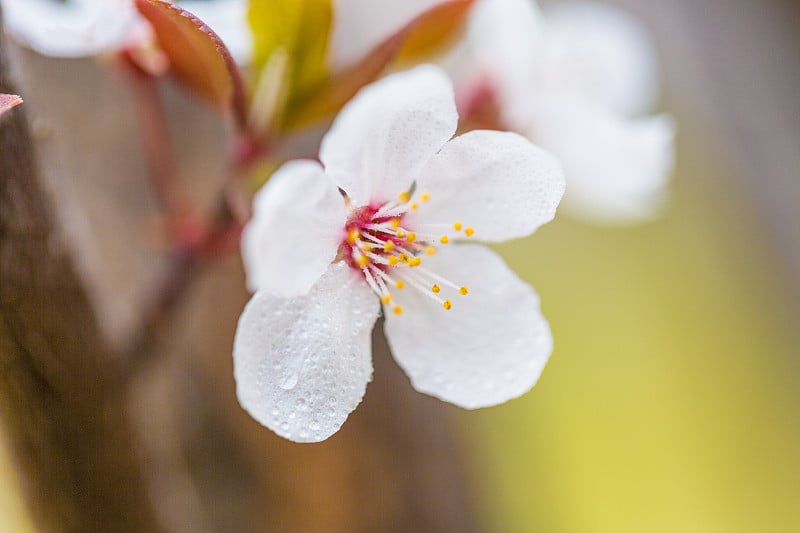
302, 365
72, 29
298, 222
490, 347
359, 25
382, 139
617, 168
605, 53
497, 182
507, 39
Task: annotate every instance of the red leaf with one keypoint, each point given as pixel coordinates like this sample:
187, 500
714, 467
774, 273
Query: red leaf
435, 28
7, 101
198, 58
327, 100
427, 32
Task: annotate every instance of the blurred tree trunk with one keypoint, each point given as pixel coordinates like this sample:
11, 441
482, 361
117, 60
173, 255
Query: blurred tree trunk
111, 439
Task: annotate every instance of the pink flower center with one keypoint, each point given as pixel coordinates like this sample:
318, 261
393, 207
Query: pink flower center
380, 243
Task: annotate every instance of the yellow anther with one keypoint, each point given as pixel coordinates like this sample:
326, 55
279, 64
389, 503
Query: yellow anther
393, 260
415, 261
399, 284
401, 233
404, 258
411, 237
463, 291
386, 298
388, 247
414, 206
457, 226
469, 232
404, 197
352, 236
436, 289
430, 250
424, 197
362, 261
395, 223
398, 310
367, 248
447, 304
444, 240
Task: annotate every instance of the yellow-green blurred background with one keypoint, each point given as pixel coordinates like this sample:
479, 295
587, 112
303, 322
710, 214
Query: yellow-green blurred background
671, 402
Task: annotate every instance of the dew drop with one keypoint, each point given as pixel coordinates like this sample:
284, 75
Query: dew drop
289, 382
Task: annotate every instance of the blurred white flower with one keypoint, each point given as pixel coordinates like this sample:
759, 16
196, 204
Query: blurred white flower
575, 82
71, 28
359, 25
77, 28
381, 222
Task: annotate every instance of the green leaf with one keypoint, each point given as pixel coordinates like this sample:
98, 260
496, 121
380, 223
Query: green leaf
298, 28
197, 56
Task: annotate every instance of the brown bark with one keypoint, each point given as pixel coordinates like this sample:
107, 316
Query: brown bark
65, 418
167, 448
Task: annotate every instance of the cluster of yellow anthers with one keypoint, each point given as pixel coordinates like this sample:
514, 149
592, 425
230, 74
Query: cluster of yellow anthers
390, 254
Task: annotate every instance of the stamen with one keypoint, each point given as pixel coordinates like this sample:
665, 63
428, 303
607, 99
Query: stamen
444, 281
399, 284
398, 310
414, 206
386, 298
371, 281
411, 237
457, 226
404, 197
436, 289
463, 291
352, 236
444, 239
447, 304
430, 250
360, 259
469, 232
424, 197
388, 247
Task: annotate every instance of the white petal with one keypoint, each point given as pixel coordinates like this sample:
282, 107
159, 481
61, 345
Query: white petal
72, 29
617, 168
302, 365
228, 19
490, 347
359, 25
497, 182
605, 53
298, 223
381, 140
507, 39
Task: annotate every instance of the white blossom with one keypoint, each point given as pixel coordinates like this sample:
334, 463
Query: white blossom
359, 25
73, 28
78, 28
383, 223
576, 80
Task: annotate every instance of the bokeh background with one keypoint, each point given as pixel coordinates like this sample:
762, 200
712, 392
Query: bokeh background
672, 399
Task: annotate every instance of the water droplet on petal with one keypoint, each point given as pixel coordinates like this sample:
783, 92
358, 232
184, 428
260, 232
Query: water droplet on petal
289, 382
